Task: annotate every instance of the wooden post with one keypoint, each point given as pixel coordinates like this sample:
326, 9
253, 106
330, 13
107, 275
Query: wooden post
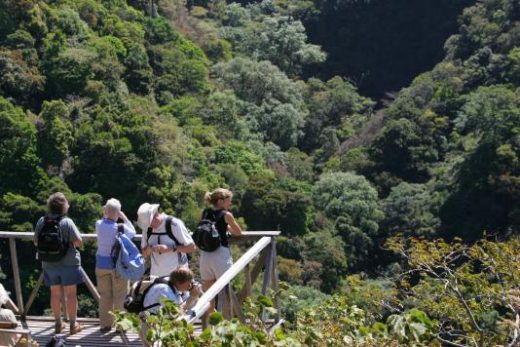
229, 300
260, 263
32, 296
225, 303
268, 269
247, 284
274, 279
237, 307
91, 287
16, 275
267, 275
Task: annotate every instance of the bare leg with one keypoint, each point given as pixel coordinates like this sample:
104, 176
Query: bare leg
72, 302
56, 302
72, 308
56, 307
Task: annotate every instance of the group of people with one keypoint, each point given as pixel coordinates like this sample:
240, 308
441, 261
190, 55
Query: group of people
165, 240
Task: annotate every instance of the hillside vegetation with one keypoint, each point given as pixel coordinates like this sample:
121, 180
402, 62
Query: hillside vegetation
161, 101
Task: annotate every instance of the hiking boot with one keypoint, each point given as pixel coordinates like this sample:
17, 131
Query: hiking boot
75, 328
59, 327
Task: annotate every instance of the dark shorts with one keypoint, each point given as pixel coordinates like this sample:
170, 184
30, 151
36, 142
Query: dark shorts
62, 275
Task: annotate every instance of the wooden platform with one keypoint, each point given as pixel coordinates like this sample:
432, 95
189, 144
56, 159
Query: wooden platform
42, 330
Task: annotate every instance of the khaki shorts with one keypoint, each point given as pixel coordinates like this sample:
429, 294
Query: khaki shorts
214, 264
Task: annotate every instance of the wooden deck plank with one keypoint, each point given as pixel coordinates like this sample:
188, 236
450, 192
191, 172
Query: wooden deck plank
42, 331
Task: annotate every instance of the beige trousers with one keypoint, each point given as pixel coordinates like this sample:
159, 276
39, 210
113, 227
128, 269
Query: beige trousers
112, 289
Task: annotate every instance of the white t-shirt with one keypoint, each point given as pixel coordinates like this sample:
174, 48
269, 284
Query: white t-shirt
163, 264
162, 290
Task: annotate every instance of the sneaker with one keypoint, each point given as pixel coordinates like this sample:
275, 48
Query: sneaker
75, 328
59, 327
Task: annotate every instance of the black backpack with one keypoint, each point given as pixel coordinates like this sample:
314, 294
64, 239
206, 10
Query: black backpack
134, 302
206, 235
51, 243
183, 257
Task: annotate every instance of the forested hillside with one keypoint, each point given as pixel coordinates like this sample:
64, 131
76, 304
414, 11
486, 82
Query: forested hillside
161, 101
382, 45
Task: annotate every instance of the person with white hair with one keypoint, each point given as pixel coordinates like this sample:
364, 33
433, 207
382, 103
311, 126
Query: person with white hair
165, 239
7, 320
112, 287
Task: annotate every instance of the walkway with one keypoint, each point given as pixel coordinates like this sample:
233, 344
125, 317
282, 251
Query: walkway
42, 330
260, 257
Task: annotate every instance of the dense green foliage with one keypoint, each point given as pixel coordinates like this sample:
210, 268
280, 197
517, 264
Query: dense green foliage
162, 103
382, 45
437, 299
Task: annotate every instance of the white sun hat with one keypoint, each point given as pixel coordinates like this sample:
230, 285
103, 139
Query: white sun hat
145, 215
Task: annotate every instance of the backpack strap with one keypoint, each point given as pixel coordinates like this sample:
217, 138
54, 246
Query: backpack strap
169, 230
138, 287
149, 233
163, 280
220, 215
116, 247
212, 215
151, 306
183, 258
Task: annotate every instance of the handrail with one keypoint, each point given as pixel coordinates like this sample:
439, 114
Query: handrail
204, 301
29, 235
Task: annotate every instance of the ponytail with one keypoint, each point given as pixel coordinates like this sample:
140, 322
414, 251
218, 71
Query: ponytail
213, 197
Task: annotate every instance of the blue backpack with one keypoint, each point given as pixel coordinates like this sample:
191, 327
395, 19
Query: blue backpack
128, 261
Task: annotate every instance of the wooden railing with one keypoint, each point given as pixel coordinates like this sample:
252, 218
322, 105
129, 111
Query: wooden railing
229, 302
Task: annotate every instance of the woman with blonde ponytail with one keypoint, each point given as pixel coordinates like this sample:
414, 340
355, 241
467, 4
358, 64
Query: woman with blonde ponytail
214, 264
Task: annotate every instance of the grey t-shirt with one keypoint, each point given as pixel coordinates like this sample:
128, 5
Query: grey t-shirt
70, 233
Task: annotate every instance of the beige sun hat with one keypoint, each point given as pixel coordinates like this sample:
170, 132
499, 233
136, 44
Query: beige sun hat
145, 215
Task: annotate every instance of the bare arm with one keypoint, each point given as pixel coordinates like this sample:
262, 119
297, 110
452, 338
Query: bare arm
186, 249
233, 226
74, 235
147, 250
164, 249
129, 227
